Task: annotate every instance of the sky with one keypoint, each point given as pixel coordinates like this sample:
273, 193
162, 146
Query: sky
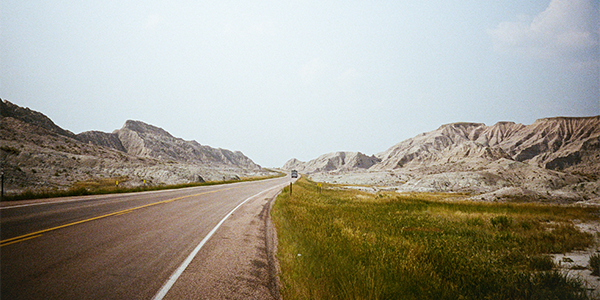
300, 78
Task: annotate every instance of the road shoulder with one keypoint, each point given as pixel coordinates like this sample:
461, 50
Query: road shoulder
238, 262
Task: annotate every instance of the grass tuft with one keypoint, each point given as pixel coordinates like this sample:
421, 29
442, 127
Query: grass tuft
502, 222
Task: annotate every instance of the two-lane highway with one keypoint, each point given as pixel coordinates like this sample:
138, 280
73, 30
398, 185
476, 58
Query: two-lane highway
112, 246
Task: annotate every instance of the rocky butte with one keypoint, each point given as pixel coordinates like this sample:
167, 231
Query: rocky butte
38, 154
553, 159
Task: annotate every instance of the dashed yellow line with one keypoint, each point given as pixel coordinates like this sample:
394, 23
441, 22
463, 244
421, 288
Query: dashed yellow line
36, 234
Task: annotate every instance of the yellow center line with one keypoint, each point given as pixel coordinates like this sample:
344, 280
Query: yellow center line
23, 239
38, 233
123, 212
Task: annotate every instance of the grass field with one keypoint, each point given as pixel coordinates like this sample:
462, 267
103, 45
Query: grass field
339, 244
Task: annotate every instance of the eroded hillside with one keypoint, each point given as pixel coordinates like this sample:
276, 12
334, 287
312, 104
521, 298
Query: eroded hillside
38, 154
556, 159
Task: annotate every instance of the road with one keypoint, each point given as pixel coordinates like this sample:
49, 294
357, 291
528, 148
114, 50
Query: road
172, 244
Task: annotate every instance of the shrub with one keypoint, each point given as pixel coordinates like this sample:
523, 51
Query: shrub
501, 222
595, 264
10, 150
554, 285
541, 263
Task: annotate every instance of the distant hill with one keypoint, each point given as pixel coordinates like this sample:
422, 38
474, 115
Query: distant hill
333, 161
571, 144
547, 158
36, 153
140, 139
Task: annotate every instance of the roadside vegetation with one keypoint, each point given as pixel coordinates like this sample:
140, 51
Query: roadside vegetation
341, 244
118, 185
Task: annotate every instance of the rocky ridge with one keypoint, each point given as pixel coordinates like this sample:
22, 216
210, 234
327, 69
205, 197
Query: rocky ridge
140, 139
340, 161
554, 159
36, 153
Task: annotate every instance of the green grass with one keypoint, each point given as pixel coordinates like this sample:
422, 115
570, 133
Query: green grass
339, 244
109, 186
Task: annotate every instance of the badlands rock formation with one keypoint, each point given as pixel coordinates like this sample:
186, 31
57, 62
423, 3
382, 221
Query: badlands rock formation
36, 153
555, 143
555, 159
339, 161
140, 139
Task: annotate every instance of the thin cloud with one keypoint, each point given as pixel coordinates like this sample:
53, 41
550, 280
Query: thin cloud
312, 70
567, 29
152, 21
255, 28
350, 75
349, 78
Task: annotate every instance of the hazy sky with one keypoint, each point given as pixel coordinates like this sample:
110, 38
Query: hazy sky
283, 79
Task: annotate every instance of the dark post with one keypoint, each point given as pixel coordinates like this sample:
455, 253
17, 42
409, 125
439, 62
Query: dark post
290, 188
2, 192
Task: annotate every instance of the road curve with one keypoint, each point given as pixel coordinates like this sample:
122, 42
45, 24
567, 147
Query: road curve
129, 246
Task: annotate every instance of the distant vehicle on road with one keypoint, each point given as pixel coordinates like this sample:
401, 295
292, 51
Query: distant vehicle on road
294, 174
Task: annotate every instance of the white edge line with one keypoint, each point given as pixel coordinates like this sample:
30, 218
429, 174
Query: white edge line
171, 281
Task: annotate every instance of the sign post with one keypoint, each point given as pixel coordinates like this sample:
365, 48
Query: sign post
2, 192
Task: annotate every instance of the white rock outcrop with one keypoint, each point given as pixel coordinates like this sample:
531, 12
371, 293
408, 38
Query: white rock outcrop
553, 158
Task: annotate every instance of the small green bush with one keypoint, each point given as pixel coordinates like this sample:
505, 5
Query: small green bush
526, 225
501, 222
554, 285
595, 264
541, 263
10, 150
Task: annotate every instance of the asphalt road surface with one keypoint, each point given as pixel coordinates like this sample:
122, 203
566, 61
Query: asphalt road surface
212, 242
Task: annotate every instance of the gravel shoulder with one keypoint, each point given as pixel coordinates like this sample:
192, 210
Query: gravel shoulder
238, 262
